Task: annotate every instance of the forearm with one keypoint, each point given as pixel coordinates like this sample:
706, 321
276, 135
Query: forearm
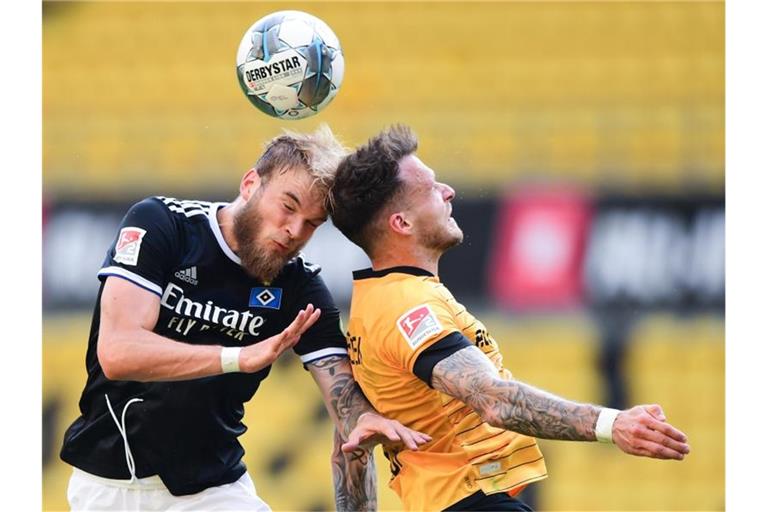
527, 410
469, 376
343, 398
354, 478
128, 349
142, 355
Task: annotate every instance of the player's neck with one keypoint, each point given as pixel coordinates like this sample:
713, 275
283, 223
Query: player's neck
418, 257
226, 219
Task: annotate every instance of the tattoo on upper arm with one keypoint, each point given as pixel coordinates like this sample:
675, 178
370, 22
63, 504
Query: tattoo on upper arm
469, 376
346, 398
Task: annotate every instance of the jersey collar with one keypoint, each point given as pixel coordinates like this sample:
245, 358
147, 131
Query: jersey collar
369, 272
214, 222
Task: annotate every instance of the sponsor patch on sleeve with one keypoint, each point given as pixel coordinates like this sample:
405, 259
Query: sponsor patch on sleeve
418, 325
129, 245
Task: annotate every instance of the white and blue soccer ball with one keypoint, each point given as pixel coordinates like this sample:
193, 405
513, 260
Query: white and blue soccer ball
290, 64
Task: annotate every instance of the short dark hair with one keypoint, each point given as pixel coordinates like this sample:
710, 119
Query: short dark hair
366, 182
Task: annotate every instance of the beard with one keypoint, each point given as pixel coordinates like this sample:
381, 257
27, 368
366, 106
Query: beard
256, 259
442, 237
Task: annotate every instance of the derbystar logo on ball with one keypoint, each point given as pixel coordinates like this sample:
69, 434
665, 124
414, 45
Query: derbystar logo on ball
290, 64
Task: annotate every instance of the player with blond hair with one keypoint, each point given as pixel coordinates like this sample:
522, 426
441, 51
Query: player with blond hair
197, 300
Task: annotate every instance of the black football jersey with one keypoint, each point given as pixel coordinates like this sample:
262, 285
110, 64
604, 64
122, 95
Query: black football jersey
186, 431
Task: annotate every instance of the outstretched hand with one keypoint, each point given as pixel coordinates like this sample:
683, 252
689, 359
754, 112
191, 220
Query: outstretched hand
260, 355
643, 430
373, 429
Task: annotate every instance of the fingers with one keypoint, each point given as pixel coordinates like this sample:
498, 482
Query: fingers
303, 321
406, 437
420, 437
390, 433
656, 412
668, 430
373, 429
349, 447
310, 321
644, 431
362, 438
266, 352
659, 439
411, 438
653, 417
353, 443
657, 451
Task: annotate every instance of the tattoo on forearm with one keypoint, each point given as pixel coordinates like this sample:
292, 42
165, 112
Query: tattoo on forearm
354, 478
346, 398
469, 376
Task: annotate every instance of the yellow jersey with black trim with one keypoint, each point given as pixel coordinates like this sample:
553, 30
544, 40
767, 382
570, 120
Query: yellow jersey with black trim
397, 314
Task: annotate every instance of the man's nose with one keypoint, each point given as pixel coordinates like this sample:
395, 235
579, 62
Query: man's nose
294, 227
448, 192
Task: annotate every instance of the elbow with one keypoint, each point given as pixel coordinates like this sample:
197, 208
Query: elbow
110, 360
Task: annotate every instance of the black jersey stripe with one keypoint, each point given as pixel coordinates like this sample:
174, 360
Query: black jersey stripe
511, 468
486, 453
470, 428
472, 443
504, 456
496, 458
518, 484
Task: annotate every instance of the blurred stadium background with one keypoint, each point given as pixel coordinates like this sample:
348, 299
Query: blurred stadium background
586, 143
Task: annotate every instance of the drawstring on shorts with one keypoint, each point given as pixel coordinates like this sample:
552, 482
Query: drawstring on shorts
124, 434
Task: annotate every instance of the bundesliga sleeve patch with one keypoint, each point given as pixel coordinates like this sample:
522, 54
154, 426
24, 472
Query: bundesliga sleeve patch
128, 245
418, 325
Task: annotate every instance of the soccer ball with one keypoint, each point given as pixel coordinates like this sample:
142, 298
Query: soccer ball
290, 64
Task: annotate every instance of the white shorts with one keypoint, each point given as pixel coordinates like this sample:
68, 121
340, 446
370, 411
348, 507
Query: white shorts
91, 492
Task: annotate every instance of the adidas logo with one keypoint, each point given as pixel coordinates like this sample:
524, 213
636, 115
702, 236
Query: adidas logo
189, 275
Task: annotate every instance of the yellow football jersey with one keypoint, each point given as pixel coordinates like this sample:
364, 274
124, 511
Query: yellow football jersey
396, 314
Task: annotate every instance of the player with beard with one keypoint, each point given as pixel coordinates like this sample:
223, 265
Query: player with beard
197, 300
420, 357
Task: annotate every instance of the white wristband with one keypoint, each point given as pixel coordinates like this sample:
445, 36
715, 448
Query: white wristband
230, 359
604, 426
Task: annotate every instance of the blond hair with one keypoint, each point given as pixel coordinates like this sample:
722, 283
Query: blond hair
319, 153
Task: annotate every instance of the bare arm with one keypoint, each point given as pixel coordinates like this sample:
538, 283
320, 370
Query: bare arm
354, 477
469, 376
129, 350
354, 472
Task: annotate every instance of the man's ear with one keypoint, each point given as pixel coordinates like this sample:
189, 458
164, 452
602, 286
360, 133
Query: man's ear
398, 222
249, 184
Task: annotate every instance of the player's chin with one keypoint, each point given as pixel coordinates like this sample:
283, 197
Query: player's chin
457, 235
281, 258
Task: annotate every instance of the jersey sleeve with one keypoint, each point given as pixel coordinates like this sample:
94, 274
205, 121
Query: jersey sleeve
436, 352
143, 251
418, 327
325, 338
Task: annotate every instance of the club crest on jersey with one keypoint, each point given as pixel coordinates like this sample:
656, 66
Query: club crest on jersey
262, 297
418, 325
128, 245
